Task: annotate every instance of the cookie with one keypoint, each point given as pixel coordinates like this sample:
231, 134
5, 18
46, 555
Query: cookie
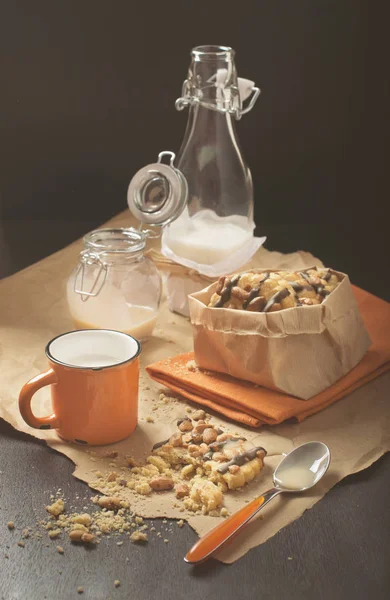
270, 291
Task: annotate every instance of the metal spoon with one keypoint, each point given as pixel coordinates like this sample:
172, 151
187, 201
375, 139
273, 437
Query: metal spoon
299, 471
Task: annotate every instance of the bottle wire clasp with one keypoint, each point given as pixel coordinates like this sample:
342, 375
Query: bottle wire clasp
234, 101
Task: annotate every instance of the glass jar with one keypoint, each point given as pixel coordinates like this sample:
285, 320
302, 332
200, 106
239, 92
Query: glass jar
114, 286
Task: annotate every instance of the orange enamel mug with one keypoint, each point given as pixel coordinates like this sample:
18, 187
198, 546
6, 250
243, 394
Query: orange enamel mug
94, 377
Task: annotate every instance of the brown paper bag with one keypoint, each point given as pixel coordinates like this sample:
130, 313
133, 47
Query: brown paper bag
300, 351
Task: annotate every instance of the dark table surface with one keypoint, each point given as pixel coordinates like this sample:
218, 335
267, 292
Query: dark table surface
337, 550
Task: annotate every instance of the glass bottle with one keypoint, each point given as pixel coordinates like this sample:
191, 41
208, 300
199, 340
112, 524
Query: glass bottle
114, 286
218, 218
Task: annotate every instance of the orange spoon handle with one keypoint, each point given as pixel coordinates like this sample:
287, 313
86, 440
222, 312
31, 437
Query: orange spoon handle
218, 536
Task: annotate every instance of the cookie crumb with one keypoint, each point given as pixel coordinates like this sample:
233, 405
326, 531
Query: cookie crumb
117, 583
60, 549
21, 544
53, 533
80, 590
11, 525
166, 540
57, 508
113, 454
180, 523
138, 536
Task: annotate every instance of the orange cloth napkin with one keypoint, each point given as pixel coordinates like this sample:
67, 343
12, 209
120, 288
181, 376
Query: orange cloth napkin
253, 405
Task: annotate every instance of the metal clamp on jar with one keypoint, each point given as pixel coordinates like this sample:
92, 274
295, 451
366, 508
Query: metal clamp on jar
114, 286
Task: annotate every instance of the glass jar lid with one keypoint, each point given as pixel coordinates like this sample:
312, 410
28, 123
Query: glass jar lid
158, 193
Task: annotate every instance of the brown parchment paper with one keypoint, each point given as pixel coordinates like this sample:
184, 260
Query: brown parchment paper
33, 309
298, 352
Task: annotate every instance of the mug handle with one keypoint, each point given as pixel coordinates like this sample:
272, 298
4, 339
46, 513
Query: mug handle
25, 396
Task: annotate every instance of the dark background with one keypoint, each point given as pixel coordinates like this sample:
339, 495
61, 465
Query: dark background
87, 91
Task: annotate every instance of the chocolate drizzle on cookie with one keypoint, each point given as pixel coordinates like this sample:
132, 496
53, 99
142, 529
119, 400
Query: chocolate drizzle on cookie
305, 276
227, 291
241, 459
255, 292
318, 287
218, 446
280, 295
298, 287
159, 444
251, 296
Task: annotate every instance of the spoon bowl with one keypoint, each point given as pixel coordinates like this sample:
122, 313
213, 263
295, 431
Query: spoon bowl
302, 468
299, 471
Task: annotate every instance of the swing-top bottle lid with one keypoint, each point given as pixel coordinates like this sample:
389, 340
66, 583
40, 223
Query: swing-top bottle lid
158, 193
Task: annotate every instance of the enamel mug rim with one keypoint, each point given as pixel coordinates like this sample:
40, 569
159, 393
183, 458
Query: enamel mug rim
92, 332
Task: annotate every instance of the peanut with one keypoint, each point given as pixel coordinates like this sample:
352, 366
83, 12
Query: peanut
198, 415
239, 293
176, 439
200, 427
109, 502
220, 284
196, 438
223, 437
88, 538
160, 484
186, 425
78, 535
257, 304
182, 490
209, 435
